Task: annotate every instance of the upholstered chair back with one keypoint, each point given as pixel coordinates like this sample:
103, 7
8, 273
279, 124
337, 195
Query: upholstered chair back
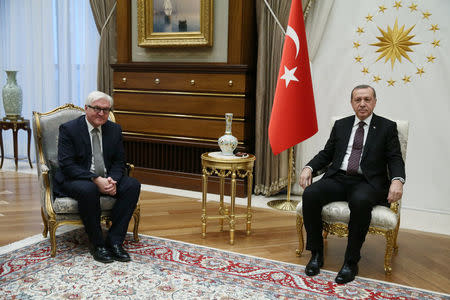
46, 131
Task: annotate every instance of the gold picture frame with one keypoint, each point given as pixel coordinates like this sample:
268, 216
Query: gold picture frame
175, 23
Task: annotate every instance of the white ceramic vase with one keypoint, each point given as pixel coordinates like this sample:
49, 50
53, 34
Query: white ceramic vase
12, 96
228, 142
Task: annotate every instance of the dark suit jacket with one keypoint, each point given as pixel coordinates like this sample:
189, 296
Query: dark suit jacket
75, 152
381, 151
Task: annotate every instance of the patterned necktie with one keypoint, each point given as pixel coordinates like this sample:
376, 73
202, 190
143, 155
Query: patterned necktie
99, 165
355, 155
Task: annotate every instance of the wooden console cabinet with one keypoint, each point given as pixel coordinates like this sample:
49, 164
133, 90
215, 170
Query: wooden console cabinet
171, 113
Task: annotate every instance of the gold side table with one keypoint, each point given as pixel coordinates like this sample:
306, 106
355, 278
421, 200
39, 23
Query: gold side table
15, 125
213, 163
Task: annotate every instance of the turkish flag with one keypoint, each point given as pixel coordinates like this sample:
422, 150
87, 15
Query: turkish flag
293, 117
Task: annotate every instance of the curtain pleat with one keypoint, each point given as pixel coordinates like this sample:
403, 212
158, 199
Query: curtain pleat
107, 53
270, 171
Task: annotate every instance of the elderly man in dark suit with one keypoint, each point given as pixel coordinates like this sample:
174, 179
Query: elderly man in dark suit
91, 163
365, 169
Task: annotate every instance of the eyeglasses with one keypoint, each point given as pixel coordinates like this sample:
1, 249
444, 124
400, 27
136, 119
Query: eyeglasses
99, 109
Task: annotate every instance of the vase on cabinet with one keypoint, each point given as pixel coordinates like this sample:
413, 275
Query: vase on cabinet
228, 142
12, 97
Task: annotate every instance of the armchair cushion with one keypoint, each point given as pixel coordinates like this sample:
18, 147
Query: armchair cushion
67, 205
338, 212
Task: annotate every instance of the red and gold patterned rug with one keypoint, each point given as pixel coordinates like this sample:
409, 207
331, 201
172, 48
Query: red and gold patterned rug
167, 269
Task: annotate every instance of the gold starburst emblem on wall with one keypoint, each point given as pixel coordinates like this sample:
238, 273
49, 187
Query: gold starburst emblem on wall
396, 43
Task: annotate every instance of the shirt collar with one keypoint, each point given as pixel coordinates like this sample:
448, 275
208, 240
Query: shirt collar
366, 121
90, 127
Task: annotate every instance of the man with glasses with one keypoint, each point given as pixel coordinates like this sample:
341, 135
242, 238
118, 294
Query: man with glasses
91, 164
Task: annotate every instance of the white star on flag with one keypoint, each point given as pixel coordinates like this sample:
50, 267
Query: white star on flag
289, 75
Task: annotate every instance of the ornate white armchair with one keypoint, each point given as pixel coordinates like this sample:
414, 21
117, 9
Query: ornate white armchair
385, 221
64, 210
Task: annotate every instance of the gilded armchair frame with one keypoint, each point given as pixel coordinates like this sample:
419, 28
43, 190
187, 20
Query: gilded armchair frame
341, 229
49, 216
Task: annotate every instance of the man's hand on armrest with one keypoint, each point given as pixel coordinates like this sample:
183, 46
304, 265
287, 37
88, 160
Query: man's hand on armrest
395, 191
306, 177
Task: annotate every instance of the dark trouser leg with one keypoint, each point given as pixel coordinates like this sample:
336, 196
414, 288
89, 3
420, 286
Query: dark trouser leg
315, 197
88, 197
362, 198
128, 190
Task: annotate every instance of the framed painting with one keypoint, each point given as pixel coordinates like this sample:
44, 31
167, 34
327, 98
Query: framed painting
175, 23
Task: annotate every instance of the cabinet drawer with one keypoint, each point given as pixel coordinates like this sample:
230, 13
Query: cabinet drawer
190, 82
177, 127
179, 104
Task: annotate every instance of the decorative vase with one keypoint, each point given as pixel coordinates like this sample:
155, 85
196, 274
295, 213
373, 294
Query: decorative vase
12, 96
228, 142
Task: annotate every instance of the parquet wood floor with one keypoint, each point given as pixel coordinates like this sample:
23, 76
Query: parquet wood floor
422, 261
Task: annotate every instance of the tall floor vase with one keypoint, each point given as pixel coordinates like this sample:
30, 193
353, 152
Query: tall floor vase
12, 97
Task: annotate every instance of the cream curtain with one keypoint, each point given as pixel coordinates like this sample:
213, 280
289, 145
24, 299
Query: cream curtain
270, 171
107, 54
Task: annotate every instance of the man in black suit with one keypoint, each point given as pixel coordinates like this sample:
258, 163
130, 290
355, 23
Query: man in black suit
365, 169
91, 163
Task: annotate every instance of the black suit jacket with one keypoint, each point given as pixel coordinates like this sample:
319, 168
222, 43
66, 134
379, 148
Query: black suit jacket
381, 158
75, 152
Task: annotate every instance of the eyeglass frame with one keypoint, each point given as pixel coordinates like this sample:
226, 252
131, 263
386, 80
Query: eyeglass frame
98, 109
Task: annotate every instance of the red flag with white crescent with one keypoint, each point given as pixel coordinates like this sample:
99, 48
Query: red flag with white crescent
293, 117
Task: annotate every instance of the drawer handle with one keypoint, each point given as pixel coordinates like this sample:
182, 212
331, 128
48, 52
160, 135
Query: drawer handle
124, 79
192, 82
156, 80
230, 83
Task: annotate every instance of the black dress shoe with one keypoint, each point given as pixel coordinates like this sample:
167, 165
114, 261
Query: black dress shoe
315, 263
347, 273
102, 254
118, 253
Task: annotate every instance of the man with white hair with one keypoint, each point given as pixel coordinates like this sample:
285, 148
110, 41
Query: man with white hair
91, 164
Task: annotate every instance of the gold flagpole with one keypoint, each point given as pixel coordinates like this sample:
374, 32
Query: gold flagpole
287, 204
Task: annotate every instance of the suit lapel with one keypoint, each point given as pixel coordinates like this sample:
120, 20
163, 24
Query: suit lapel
348, 130
105, 140
345, 134
370, 135
85, 137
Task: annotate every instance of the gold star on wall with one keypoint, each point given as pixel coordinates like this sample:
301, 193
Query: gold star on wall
436, 43
365, 70
356, 45
394, 43
413, 7
398, 4
434, 27
376, 78
426, 15
382, 8
369, 17
420, 71
406, 79
391, 82
360, 30
431, 58
358, 58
